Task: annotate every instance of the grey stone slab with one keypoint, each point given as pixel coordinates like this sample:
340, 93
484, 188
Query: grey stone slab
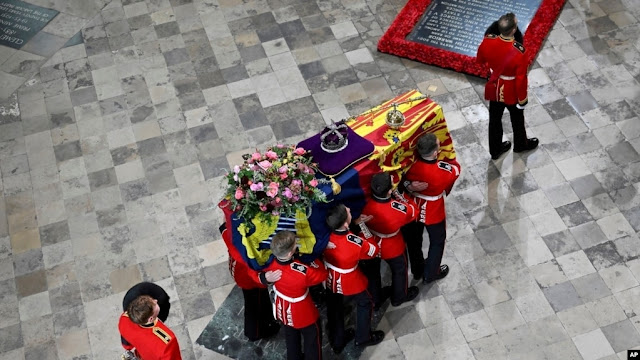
134, 190
214, 167
574, 214
621, 335
197, 306
562, 296
54, 233
67, 151
10, 338
559, 109
463, 301
591, 287
28, 261
69, 320
493, 239
586, 186
603, 255
623, 153
284, 129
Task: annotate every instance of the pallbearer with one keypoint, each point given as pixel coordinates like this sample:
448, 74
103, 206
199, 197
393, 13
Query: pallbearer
389, 214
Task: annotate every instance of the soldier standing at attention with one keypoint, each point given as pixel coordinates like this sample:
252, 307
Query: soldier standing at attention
507, 86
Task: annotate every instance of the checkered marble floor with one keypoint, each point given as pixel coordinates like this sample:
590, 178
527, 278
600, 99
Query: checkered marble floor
112, 155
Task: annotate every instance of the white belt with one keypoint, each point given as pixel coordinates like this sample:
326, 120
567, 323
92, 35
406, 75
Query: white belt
429, 198
384, 236
341, 271
290, 299
503, 77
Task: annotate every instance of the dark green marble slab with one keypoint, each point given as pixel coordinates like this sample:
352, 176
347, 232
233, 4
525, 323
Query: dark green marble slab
224, 333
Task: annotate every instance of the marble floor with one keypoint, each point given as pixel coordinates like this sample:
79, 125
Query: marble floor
112, 153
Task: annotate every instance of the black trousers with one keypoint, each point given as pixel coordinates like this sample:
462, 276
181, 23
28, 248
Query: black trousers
412, 233
496, 109
258, 313
399, 279
312, 336
336, 316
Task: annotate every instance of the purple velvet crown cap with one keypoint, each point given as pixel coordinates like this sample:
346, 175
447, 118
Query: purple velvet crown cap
333, 156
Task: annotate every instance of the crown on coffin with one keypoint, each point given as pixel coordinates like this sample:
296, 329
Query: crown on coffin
334, 137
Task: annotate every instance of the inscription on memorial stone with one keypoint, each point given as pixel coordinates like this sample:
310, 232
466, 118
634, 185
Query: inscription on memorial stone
459, 25
20, 21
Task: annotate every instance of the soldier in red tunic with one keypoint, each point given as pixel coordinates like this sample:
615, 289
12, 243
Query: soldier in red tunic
345, 279
429, 181
142, 330
258, 317
293, 306
507, 86
388, 216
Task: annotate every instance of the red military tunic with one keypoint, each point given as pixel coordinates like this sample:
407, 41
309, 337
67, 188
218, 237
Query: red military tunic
389, 215
440, 176
152, 342
244, 276
293, 304
342, 262
507, 54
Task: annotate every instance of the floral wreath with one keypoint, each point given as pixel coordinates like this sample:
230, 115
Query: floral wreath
277, 182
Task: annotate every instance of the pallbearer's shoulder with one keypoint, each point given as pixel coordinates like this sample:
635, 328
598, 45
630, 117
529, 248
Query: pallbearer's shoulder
518, 46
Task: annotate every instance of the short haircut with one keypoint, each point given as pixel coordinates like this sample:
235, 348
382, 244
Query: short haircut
507, 23
336, 216
381, 184
141, 309
427, 144
282, 243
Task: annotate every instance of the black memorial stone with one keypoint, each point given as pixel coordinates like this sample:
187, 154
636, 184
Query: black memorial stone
20, 21
459, 25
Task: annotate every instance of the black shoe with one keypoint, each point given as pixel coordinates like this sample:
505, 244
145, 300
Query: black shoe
375, 338
385, 293
412, 293
444, 271
349, 334
506, 145
532, 143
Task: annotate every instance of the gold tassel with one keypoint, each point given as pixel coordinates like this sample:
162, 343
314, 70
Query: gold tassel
335, 187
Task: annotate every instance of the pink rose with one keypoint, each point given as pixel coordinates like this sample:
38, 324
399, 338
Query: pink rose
256, 156
287, 193
313, 182
239, 194
296, 182
283, 176
265, 164
271, 155
299, 151
263, 208
272, 190
256, 187
280, 146
283, 169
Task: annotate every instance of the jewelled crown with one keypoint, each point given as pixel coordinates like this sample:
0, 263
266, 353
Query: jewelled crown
334, 137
